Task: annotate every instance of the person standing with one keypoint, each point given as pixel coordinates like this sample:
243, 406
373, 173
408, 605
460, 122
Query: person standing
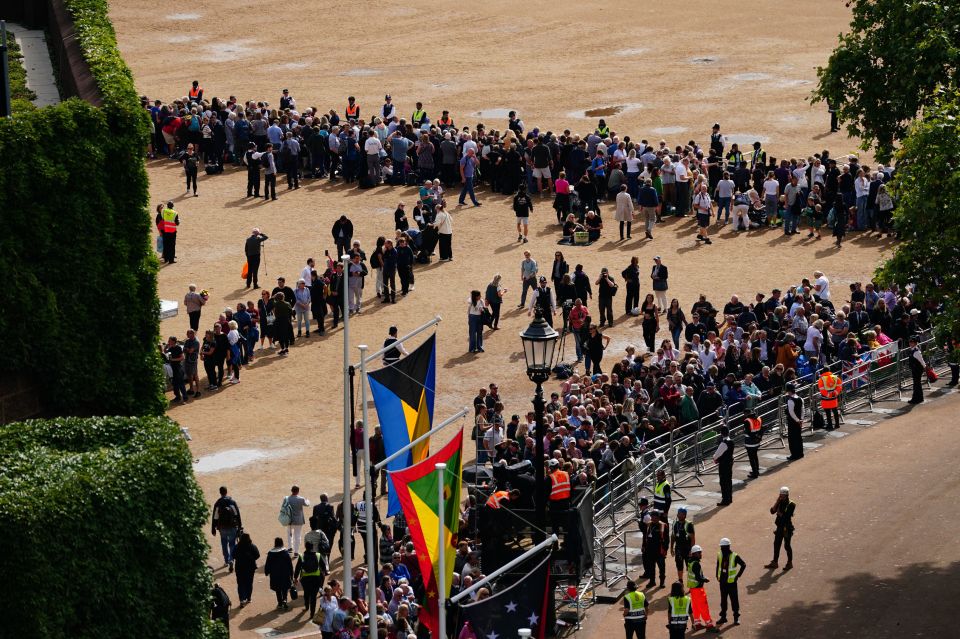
544, 301
226, 520
290, 150
356, 273
167, 222
656, 545
191, 358
389, 257
793, 409
631, 278
191, 168
662, 497
309, 572
682, 539
220, 607
528, 277
475, 321
649, 201
443, 223
917, 368
783, 510
396, 348
698, 595
253, 249
635, 607
269, 162
283, 322
291, 510
680, 611
193, 302
723, 457
659, 276
279, 567
606, 289
253, 170
468, 168
752, 436
342, 233
522, 207
594, 345
173, 353
245, 557
493, 298
624, 210
830, 387
302, 304
730, 567
703, 208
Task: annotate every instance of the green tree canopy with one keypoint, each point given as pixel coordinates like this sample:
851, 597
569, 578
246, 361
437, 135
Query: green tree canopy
889, 65
927, 186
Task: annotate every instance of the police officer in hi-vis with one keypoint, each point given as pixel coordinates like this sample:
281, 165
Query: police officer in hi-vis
635, 606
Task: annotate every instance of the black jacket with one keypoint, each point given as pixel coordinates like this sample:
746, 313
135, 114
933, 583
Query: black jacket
347, 230
253, 245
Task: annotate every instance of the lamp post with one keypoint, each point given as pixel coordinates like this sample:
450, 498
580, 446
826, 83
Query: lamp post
539, 346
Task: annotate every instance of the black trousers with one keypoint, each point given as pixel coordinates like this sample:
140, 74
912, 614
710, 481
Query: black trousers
270, 186
311, 587
752, 454
917, 374
446, 246
726, 483
293, 177
390, 284
253, 183
169, 247
728, 590
406, 277
336, 310
635, 628
632, 300
192, 179
606, 310
782, 537
795, 439
211, 368
677, 632
833, 417
253, 266
628, 229
218, 365
194, 319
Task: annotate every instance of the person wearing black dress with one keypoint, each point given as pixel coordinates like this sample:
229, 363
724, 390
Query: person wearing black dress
279, 567
245, 561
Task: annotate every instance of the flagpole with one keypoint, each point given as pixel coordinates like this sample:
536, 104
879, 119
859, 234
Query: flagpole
345, 535
401, 340
433, 431
441, 557
549, 541
368, 498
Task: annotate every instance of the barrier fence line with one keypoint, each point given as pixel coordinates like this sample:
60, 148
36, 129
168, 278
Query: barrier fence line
879, 374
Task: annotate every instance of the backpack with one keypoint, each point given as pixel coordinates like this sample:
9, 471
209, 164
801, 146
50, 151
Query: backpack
311, 562
228, 516
326, 518
324, 545
286, 512
221, 600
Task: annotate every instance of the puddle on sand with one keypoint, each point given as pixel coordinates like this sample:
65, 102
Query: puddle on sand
493, 113
669, 130
750, 77
361, 72
183, 16
181, 39
793, 83
632, 52
229, 51
233, 458
293, 65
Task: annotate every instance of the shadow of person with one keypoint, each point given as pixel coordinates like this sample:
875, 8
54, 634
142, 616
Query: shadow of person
767, 579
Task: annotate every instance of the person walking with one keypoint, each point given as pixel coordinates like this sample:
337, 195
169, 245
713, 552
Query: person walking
544, 300
793, 409
659, 275
522, 207
752, 437
193, 302
635, 607
291, 517
245, 559
917, 368
468, 168
830, 387
783, 510
475, 321
279, 567
723, 457
226, 520
309, 573
168, 219
528, 277
594, 345
682, 539
624, 210
253, 249
493, 298
680, 610
730, 567
698, 595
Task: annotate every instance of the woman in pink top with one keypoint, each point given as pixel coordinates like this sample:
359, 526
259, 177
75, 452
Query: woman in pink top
561, 203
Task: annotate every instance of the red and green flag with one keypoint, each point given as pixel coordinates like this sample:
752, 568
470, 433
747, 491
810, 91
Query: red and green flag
417, 488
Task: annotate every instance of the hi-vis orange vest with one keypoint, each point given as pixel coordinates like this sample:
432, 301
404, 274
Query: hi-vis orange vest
829, 385
560, 481
353, 111
195, 92
754, 424
445, 122
494, 500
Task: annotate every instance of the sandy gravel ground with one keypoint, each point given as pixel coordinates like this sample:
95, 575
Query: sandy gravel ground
673, 73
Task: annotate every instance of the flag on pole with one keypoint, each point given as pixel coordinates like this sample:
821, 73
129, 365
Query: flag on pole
520, 605
417, 489
403, 394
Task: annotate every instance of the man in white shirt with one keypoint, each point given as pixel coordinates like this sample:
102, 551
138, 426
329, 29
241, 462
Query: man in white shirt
307, 273
681, 171
724, 193
372, 147
389, 111
821, 285
492, 438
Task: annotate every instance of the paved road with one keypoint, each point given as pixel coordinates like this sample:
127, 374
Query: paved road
876, 549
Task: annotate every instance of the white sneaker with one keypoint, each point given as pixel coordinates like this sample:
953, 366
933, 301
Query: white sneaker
412, 287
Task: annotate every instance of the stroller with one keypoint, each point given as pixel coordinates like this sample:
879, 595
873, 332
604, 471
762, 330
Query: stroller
758, 215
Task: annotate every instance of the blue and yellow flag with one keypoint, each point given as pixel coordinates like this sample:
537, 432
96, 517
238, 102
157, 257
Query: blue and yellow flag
403, 394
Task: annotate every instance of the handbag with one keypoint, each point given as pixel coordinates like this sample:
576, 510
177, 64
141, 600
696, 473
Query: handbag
245, 270
293, 593
321, 617
931, 374
159, 244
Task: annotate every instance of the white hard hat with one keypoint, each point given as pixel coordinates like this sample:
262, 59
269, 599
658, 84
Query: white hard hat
784, 490
696, 549
724, 542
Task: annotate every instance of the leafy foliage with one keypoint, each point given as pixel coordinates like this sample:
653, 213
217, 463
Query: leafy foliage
100, 519
79, 294
20, 94
927, 185
889, 65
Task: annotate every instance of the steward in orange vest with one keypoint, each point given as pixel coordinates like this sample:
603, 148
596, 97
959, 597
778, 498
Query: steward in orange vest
752, 436
196, 92
830, 387
353, 110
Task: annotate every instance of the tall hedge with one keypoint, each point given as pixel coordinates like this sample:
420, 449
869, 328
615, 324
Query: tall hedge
79, 299
100, 522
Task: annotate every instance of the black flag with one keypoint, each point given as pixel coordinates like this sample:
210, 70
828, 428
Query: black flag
520, 605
